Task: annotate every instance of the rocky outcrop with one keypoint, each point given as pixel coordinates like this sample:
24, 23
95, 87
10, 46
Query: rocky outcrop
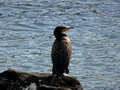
18, 80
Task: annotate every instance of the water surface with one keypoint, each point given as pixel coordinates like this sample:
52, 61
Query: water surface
26, 37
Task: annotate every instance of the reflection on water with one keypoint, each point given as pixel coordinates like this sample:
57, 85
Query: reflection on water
26, 37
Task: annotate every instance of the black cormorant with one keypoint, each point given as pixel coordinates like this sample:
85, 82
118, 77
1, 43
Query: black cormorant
61, 53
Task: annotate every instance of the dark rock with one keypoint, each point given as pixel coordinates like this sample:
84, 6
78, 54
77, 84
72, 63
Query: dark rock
18, 80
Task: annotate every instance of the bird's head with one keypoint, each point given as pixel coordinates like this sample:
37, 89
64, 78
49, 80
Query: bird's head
60, 30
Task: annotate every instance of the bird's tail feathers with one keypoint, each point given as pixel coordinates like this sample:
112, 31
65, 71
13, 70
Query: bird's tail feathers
54, 79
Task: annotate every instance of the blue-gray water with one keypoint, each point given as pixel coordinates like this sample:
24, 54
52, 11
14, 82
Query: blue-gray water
26, 37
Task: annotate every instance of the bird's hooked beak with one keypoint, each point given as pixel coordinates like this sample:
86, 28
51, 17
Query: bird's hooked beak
66, 29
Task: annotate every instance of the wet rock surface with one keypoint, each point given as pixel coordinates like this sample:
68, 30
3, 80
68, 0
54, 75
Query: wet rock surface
18, 80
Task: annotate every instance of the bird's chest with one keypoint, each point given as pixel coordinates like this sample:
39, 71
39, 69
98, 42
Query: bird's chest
62, 46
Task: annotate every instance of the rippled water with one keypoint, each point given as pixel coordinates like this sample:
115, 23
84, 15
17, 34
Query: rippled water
26, 37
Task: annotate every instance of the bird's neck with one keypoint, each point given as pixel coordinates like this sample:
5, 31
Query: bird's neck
59, 36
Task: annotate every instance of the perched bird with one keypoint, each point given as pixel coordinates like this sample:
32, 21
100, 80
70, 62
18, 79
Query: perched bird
61, 53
